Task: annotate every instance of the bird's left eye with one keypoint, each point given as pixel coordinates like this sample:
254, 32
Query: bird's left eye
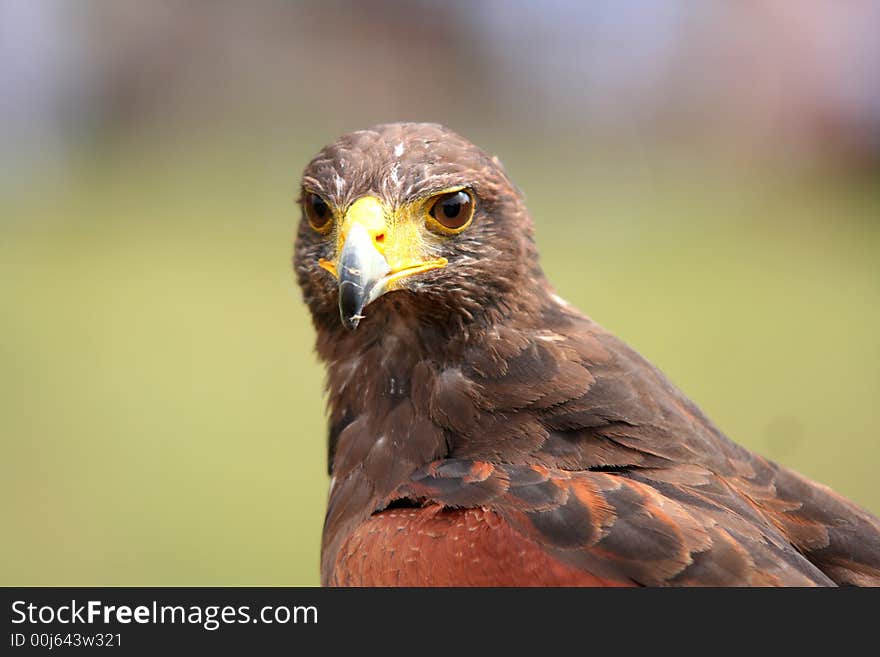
317, 211
453, 210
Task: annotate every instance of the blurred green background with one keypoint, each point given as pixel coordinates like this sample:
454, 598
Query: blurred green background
704, 183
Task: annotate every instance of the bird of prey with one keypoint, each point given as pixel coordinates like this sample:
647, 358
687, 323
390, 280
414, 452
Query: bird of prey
484, 432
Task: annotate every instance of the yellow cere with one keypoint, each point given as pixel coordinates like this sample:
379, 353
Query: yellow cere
397, 234
369, 212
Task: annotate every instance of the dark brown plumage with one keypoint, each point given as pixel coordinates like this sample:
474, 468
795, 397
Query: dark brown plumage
483, 431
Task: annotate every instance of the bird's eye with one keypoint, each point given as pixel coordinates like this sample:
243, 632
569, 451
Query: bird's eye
317, 211
453, 211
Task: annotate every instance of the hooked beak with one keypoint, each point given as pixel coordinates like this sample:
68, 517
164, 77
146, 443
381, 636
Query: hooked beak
372, 258
362, 275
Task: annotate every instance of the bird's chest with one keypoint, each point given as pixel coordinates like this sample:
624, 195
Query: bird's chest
434, 546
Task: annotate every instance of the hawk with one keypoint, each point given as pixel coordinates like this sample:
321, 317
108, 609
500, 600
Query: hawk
484, 432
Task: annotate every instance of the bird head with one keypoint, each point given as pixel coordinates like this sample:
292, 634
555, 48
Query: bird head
411, 216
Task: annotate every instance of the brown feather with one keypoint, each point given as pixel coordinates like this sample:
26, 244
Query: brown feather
538, 448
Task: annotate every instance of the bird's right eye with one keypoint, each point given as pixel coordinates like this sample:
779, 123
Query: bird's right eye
318, 211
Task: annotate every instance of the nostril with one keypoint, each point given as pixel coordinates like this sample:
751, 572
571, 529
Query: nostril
380, 237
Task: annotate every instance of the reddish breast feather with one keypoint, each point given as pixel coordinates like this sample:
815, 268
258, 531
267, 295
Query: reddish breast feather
436, 546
